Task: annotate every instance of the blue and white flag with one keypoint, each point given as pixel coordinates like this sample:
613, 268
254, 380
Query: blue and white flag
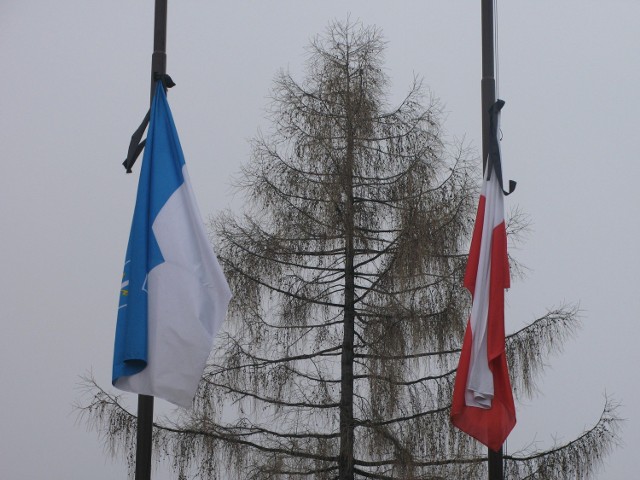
174, 296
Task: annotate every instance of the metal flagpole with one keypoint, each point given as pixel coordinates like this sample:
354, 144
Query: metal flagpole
488, 85
488, 89
143, 440
159, 57
145, 402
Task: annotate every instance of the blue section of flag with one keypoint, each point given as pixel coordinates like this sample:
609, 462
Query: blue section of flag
160, 176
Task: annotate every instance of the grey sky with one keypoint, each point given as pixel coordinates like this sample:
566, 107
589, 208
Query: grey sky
75, 85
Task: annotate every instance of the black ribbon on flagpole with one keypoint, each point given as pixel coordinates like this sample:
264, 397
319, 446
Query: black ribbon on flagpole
494, 163
137, 143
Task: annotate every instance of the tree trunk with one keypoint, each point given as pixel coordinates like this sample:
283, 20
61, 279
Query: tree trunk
346, 459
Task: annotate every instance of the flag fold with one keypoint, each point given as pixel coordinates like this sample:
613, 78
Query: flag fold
482, 404
174, 295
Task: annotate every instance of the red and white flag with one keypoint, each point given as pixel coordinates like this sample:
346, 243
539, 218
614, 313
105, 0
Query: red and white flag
482, 403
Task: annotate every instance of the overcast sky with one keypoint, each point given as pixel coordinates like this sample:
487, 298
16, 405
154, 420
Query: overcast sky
74, 86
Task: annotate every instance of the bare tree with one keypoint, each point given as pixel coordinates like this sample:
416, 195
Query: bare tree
348, 313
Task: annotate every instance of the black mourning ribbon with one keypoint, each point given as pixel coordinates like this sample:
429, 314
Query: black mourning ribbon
494, 164
137, 144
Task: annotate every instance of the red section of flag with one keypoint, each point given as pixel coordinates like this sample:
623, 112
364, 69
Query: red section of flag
492, 422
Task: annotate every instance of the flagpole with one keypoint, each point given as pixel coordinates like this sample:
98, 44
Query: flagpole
488, 92
159, 57
144, 434
488, 84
